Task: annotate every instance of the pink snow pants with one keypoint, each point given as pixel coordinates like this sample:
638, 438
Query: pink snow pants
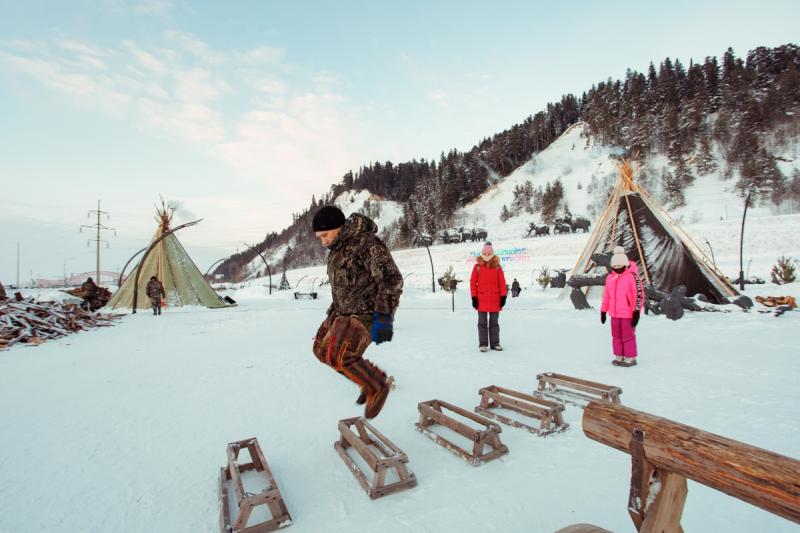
623, 337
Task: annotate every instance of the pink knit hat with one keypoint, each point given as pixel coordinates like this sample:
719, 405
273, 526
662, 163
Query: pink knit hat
487, 249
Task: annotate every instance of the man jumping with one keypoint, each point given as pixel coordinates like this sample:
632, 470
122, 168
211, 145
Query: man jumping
366, 286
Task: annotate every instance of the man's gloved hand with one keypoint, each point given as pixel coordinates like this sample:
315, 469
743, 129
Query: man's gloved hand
502, 302
602, 317
475, 302
635, 319
382, 327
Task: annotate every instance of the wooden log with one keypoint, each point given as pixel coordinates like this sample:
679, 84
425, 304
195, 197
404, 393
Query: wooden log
585, 280
760, 477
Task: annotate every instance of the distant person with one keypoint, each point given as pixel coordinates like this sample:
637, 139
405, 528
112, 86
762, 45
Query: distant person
365, 286
489, 290
515, 288
155, 290
3, 292
89, 294
623, 299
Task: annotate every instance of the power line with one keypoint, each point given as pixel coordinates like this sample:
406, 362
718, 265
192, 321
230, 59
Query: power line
99, 227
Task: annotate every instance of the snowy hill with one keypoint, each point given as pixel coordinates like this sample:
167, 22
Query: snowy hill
712, 216
383, 212
587, 170
573, 159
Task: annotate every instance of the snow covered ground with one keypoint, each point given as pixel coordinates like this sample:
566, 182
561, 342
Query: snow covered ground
124, 429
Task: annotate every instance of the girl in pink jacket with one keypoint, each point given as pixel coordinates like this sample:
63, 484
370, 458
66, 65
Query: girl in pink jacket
623, 299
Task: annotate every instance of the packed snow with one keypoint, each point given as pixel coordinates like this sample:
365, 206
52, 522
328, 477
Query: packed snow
124, 429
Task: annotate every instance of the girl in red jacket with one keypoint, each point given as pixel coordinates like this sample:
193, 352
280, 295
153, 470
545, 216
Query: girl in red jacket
623, 299
488, 289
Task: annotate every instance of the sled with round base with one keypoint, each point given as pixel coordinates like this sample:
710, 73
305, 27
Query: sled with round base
246, 501
575, 391
305, 296
379, 453
431, 414
548, 413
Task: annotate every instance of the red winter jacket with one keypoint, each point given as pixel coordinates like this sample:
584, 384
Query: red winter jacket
623, 293
488, 283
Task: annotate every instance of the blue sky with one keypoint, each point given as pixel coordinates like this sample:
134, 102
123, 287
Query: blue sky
240, 111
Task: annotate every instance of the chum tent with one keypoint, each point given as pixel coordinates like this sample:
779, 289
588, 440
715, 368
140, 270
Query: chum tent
665, 254
183, 282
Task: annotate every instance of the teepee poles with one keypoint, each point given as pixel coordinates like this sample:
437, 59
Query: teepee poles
153, 245
636, 239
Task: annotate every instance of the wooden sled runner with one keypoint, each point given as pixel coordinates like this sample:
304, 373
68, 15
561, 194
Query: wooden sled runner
270, 496
548, 413
430, 414
576, 391
366, 443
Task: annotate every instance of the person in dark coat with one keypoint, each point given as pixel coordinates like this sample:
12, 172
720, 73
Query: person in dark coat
489, 290
89, 294
155, 290
515, 289
366, 286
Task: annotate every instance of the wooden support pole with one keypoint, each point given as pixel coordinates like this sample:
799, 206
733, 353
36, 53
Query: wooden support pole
765, 479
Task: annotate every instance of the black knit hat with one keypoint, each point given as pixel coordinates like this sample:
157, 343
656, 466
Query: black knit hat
327, 218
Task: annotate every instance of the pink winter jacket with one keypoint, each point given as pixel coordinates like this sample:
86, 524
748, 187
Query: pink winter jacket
623, 293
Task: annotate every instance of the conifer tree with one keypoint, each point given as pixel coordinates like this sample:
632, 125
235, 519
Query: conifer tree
284, 284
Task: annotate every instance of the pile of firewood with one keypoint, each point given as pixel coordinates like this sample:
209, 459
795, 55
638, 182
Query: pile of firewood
31, 322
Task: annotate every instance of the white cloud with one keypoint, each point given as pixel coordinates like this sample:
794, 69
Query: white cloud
158, 8
307, 145
325, 80
439, 97
262, 54
194, 46
192, 122
95, 88
302, 137
146, 59
269, 86
198, 85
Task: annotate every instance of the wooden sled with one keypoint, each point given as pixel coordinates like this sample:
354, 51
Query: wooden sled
431, 414
270, 496
548, 413
366, 443
575, 391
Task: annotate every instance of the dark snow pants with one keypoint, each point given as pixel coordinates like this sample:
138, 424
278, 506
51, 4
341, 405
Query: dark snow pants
155, 303
488, 334
341, 345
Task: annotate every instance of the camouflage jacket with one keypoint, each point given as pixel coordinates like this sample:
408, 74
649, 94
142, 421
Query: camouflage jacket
362, 273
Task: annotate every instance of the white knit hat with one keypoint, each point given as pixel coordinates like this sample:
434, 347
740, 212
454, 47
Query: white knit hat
619, 259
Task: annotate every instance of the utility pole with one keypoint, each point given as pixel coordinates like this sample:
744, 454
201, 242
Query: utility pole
99, 227
18, 264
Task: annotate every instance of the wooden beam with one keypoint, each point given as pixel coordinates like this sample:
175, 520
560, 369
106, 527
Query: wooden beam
760, 477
